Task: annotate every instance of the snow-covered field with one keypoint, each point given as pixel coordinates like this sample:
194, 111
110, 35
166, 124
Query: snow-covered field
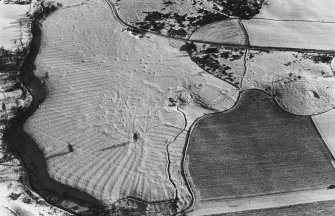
17, 198
110, 125
229, 32
299, 84
169, 16
118, 108
291, 34
305, 24
303, 10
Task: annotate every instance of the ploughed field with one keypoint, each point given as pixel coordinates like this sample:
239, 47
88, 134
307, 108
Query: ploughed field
109, 125
257, 149
228, 31
286, 24
119, 106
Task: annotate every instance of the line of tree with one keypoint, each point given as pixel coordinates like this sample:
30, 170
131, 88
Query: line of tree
16, 1
10, 60
244, 9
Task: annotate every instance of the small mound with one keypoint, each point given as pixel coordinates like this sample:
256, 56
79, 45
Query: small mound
227, 31
256, 149
306, 96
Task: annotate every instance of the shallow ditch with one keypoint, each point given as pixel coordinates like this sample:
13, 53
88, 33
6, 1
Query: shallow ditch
27, 150
58, 194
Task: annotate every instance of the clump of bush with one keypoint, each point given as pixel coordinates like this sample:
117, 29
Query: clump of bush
14, 196
244, 9
26, 200
215, 60
319, 58
10, 60
45, 8
17, 1
184, 24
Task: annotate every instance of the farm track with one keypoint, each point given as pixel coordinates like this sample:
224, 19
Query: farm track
53, 113
119, 19
248, 46
185, 159
288, 20
325, 152
246, 35
19, 136
247, 42
185, 164
185, 40
182, 170
244, 67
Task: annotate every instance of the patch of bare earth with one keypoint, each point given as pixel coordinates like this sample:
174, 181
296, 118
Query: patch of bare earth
113, 124
302, 83
169, 17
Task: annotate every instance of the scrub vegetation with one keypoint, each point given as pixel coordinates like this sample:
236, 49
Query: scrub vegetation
222, 62
14, 96
111, 124
301, 82
113, 107
244, 9
180, 18
16, 1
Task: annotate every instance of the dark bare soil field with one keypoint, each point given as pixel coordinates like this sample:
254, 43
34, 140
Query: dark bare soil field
257, 149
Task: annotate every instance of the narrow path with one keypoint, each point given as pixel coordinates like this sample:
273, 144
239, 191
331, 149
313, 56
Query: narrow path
246, 35
307, 199
247, 43
29, 154
289, 20
245, 59
118, 18
169, 160
247, 46
265, 48
169, 166
183, 173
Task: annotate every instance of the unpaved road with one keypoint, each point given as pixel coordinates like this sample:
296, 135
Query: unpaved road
247, 46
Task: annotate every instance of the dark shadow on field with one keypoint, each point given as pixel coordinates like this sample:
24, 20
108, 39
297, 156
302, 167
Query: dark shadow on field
27, 150
57, 155
115, 146
257, 148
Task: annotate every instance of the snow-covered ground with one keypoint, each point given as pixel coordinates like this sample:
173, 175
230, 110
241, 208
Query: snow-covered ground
118, 110
16, 197
118, 103
305, 24
9, 31
301, 10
